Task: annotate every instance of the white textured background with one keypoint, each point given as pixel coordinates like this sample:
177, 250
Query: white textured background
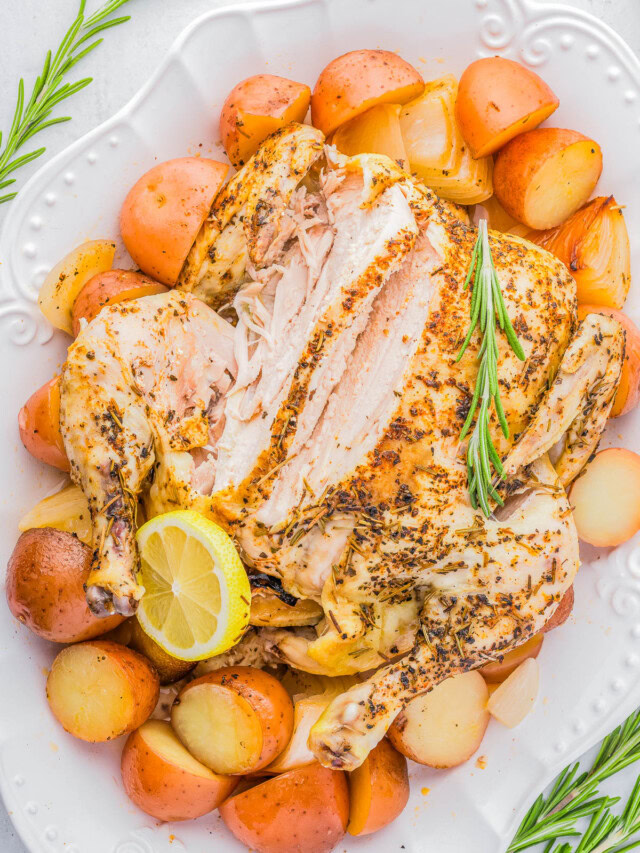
120, 65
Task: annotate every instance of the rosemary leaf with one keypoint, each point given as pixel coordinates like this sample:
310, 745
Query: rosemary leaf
574, 796
50, 88
484, 465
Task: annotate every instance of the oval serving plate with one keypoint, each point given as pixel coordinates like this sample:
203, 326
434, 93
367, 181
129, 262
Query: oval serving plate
65, 796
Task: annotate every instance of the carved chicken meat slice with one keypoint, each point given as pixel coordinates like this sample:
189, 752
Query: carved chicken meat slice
372, 515
141, 410
246, 215
300, 318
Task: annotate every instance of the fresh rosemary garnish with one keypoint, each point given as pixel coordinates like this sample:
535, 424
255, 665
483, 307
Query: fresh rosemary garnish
50, 89
576, 796
487, 307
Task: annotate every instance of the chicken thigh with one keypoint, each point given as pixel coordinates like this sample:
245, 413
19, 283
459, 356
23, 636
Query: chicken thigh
141, 409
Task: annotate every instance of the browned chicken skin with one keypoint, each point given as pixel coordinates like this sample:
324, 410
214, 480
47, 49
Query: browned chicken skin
334, 457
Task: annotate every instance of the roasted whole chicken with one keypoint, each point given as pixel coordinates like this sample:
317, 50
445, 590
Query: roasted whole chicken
320, 425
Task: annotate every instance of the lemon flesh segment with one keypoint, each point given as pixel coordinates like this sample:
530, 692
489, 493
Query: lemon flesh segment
197, 596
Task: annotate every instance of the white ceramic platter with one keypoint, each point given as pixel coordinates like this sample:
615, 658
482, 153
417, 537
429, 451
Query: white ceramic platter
65, 796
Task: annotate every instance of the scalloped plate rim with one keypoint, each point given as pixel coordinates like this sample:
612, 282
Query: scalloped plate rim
536, 12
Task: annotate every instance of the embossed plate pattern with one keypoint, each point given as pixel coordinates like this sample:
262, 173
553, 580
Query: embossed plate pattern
65, 796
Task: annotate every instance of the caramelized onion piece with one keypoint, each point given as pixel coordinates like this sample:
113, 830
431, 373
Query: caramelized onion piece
594, 244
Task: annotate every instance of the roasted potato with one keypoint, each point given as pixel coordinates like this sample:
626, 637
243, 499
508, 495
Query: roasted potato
356, 81
100, 690
499, 99
110, 287
65, 281
543, 176
169, 669
45, 587
39, 425
606, 498
163, 212
302, 811
498, 670
375, 132
257, 107
378, 790
234, 720
562, 611
166, 781
445, 727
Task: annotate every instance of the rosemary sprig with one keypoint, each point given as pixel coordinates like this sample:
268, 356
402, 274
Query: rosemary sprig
487, 307
50, 89
575, 796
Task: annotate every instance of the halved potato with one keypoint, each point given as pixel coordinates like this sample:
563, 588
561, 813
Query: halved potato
67, 510
302, 811
110, 287
45, 581
378, 790
561, 613
306, 713
628, 393
496, 671
515, 697
100, 690
375, 132
162, 213
257, 107
606, 498
358, 80
166, 781
499, 99
594, 245
67, 278
543, 176
234, 720
443, 728
39, 425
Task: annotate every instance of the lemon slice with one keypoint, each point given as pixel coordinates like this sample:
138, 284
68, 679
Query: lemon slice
197, 596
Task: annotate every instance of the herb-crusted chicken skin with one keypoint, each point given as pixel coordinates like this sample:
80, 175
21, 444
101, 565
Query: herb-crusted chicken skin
141, 407
323, 429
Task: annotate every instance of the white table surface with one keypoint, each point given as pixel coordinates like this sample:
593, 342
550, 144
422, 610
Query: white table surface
120, 65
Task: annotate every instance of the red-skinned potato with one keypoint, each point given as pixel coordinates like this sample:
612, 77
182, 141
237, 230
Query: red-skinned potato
169, 669
378, 790
235, 720
110, 287
606, 498
257, 107
359, 80
628, 393
301, 811
166, 781
496, 671
45, 587
562, 611
443, 728
163, 212
499, 99
100, 690
543, 176
39, 425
